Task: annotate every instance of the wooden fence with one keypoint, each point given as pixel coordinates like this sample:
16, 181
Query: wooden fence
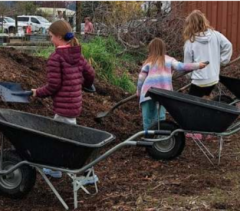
224, 16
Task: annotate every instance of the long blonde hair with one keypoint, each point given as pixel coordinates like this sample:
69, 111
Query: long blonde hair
195, 23
156, 52
61, 28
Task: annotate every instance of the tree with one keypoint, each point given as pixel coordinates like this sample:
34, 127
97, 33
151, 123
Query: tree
132, 27
88, 8
25, 7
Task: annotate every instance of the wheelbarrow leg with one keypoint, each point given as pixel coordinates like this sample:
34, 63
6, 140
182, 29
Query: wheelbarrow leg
220, 149
78, 182
53, 189
204, 149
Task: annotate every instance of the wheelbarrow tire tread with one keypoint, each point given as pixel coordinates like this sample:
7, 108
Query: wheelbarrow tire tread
28, 177
176, 150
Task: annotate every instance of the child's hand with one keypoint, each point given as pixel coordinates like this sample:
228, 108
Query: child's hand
203, 64
34, 92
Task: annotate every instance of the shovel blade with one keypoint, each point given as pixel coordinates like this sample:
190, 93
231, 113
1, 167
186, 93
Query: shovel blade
101, 115
6, 89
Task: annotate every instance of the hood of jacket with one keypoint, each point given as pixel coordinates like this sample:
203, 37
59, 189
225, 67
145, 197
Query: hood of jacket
70, 54
204, 37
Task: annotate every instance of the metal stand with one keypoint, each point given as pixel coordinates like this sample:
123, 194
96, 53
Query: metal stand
158, 109
78, 182
204, 149
53, 189
207, 152
220, 149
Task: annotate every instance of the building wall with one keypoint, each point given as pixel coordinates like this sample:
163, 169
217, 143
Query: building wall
224, 16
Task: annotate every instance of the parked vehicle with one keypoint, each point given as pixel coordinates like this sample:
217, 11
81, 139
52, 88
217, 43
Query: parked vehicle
37, 23
8, 24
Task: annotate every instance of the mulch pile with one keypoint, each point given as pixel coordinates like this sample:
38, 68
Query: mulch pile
129, 179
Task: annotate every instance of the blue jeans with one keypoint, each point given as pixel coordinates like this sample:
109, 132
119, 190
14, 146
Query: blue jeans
150, 113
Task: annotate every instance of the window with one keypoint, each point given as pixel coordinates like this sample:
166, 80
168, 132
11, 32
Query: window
23, 19
34, 20
9, 20
43, 19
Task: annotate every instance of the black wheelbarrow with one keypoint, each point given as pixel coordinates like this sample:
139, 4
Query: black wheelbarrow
232, 84
40, 142
194, 115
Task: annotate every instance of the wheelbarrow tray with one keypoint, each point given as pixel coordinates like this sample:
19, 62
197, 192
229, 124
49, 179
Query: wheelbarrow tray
232, 85
46, 141
194, 113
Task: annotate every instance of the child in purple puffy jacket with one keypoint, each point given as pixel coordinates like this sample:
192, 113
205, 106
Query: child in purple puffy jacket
67, 73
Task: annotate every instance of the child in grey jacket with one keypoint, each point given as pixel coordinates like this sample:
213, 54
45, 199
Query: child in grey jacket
203, 43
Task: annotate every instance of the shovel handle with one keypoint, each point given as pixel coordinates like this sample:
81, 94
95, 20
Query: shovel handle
123, 101
22, 93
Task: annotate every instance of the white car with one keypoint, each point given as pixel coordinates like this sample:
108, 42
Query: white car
37, 23
8, 24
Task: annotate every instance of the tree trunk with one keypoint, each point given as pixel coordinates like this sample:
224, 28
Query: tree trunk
149, 9
159, 8
78, 17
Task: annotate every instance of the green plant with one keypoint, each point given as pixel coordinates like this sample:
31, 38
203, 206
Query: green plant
125, 83
44, 52
102, 54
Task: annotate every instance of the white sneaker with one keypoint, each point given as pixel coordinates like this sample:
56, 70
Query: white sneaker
54, 174
90, 180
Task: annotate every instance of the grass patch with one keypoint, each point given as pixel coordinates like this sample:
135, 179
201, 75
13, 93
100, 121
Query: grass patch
103, 55
44, 52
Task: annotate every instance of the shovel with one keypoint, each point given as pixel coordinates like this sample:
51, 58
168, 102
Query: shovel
104, 114
13, 92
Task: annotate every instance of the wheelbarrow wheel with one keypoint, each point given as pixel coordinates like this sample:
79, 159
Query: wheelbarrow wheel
18, 183
169, 149
223, 99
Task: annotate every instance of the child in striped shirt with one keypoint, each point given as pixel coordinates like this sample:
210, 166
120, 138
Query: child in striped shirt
157, 72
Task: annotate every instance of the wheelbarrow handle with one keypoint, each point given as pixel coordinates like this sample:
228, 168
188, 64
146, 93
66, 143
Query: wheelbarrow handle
144, 144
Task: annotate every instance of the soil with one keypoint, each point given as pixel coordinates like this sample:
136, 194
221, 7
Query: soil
129, 178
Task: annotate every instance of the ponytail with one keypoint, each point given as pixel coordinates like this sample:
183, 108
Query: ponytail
74, 42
